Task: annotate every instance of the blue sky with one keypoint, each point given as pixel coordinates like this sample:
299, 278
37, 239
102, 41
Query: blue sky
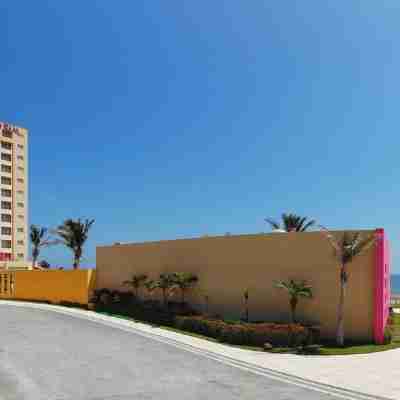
170, 119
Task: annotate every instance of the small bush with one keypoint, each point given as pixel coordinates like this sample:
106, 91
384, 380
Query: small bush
388, 335
101, 297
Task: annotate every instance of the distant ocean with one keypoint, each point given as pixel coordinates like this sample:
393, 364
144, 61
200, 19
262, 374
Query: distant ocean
395, 283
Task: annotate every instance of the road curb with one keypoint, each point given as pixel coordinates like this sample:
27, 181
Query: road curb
133, 327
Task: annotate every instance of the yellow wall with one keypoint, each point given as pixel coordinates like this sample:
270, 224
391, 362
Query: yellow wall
227, 265
54, 286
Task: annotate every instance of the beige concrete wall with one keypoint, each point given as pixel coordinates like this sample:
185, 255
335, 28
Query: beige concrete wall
226, 266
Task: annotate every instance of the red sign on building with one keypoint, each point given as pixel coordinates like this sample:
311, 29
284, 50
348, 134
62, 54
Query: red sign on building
5, 256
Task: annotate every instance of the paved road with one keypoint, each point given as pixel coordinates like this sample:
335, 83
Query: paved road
46, 355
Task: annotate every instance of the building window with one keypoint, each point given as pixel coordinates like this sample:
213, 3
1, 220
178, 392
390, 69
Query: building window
6, 244
20, 180
22, 169
20, 146
20, 157
20, 216
5, 218
20, 255
5, 180
6, 205
6, 168
5, 230
20, 230
6, 157
20, 242
7, 133
6, 192
21, 205
6, 145
20, 192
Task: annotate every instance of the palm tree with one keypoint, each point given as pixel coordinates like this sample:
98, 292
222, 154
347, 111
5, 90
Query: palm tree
295, 290
150, 285
291, 223
73, 234
39, 239
184, 281
136, 283
346, 248
166, 283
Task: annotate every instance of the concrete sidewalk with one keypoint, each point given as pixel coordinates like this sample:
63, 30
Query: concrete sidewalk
375, 374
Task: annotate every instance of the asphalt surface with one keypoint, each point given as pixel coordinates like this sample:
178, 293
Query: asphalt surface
47, 355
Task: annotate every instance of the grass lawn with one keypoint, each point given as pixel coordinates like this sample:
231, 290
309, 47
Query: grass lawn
357, 349
326, 350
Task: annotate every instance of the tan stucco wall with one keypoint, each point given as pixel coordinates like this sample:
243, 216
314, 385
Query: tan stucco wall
227, 265
53, 286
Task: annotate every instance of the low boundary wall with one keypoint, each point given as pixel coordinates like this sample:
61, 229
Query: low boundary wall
53, 286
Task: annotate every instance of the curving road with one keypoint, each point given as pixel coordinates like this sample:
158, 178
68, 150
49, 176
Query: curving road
47, 355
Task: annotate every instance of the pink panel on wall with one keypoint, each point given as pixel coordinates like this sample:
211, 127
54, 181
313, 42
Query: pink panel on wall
382, 285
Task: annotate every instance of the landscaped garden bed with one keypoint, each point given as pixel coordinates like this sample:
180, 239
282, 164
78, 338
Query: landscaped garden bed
181, 317
292, 338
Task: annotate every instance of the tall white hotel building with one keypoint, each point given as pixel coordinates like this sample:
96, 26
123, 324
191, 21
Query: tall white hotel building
13, 193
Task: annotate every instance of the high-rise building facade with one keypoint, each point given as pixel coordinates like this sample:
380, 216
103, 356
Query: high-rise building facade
13, 193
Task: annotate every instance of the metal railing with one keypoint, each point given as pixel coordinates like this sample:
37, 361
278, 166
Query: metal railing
395, 301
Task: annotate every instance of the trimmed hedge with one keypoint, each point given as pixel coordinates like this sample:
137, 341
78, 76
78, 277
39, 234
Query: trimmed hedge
250, 334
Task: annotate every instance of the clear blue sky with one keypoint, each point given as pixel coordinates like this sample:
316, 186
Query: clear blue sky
166, 119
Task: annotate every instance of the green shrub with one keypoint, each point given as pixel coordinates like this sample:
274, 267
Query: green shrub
388, 335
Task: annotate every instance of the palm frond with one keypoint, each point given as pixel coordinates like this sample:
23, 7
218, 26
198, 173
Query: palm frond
184, 279
309, 224
273, 223
350, 245
337, 247
295, 223
364, 244
73, 234
295, 288
281, 285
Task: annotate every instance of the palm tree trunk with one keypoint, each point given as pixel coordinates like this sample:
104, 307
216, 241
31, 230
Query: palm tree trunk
293, 305
183, 296
35, 255
77, 258
342, 295
164, 291
206, 300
